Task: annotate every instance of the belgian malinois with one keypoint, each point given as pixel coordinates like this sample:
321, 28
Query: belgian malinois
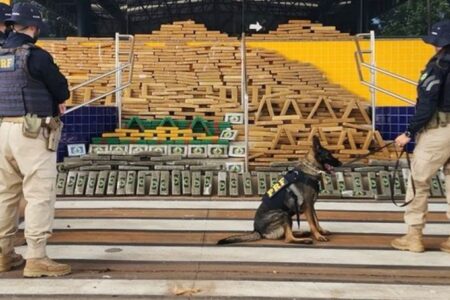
275, 221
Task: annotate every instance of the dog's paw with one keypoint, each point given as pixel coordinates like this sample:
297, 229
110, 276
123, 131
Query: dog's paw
307, 241
301, 234
321, 238
324, 232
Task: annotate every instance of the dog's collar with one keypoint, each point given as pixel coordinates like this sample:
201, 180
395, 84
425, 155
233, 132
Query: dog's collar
310, 169
308, 179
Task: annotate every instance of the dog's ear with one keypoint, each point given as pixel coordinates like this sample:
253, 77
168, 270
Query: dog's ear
316, 143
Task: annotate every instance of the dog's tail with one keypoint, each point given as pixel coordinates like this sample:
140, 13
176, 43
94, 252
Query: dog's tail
250, 237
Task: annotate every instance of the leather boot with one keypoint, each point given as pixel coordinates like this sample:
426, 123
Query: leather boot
39, 267
412, 241
445, 246
9, 261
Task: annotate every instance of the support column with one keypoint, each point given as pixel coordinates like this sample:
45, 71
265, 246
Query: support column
84, 17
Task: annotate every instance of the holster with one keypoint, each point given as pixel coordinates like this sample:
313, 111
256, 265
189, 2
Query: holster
439, 119
31, 127
54, 127
444, 118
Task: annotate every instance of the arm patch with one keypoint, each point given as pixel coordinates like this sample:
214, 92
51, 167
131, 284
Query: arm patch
432, 83
427, 80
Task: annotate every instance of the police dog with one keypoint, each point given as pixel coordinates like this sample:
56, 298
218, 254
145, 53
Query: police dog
275, 221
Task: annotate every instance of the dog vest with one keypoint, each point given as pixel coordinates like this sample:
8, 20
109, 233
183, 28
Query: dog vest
275, 196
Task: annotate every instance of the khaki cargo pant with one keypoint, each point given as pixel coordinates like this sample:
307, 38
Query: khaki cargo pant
432, 152
27, 170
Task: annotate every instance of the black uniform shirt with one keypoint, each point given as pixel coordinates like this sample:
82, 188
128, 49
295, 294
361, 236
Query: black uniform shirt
2, 38
42, 67
429, 91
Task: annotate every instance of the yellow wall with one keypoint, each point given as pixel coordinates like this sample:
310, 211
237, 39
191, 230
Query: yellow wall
6, 1
405, 57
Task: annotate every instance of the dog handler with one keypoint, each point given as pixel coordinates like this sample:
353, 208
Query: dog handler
431, 123
33, 92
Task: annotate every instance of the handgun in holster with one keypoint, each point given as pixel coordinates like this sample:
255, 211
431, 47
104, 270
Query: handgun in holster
54, 126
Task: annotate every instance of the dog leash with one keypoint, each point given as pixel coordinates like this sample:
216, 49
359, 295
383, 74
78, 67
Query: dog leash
297, 212
394, 176
378, 149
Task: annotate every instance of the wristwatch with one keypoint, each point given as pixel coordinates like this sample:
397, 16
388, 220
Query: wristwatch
407, 133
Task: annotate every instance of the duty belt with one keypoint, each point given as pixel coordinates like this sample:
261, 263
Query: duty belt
439, 119
17, 120
443, 118
20, 120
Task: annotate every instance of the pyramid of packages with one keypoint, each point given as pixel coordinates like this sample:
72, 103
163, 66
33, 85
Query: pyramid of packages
184, 71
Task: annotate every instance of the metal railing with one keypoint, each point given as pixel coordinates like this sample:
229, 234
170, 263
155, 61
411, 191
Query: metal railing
360, 63
119, 85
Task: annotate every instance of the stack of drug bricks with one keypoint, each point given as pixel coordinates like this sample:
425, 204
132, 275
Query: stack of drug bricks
159, 134
297, 30
152, 173
184, 71
285, 123
167, 130
146, 173
197, 139
81, 59
175, 76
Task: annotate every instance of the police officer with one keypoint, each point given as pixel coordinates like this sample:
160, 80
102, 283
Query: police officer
431, 124
32, 91
5, 13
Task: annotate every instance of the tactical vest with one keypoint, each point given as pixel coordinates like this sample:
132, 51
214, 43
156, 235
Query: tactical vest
20, 93
276, 195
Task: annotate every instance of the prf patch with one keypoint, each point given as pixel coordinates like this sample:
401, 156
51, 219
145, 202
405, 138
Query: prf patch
276, 187
7, 63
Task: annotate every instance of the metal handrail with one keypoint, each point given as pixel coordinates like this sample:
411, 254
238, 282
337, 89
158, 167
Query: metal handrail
89, 81
359, 58
119, 87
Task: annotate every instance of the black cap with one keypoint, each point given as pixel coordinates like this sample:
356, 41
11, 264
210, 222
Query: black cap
439, 35
25, 14
5, 12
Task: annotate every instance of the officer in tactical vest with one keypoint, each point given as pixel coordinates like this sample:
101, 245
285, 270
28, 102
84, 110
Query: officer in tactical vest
431, 126
32, 92
5, 13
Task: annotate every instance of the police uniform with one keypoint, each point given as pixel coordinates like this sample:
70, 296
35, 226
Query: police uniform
30, 84
431, 126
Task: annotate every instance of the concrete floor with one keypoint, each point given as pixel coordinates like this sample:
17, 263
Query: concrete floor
166, 249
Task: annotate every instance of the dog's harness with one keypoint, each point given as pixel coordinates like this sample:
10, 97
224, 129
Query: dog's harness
275, 196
